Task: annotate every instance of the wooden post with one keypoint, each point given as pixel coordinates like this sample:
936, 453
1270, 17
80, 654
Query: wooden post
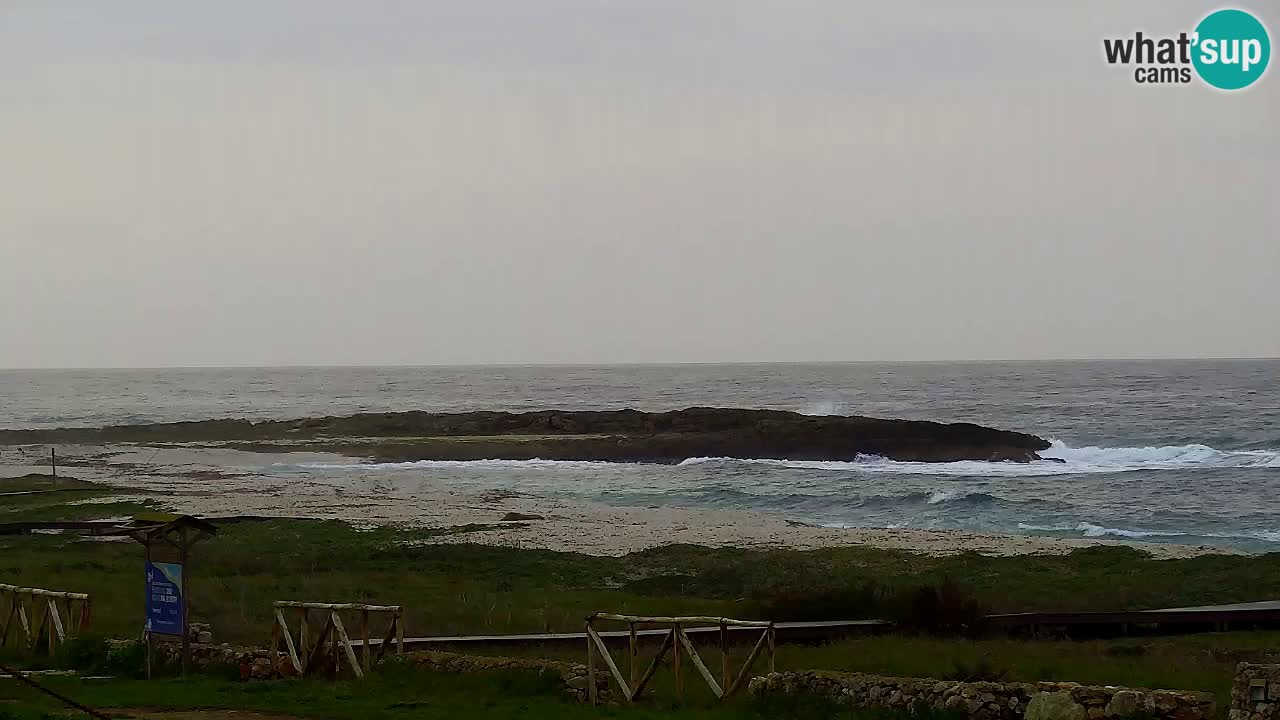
33, 637
302, 641
399, 615
635, 656
186, 606
773, 643
275, 649
725, 679
53, 463
591, 666
364, 637
679, 680
53, 623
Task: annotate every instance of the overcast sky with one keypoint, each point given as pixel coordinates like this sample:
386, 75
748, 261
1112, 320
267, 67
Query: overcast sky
273, 183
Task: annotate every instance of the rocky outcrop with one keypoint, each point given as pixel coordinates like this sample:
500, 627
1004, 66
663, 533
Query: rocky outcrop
992, 700
619, 435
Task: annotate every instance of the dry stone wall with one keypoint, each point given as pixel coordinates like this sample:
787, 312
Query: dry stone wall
992, 700
255, 664
979, 700
1255, 693
573, 676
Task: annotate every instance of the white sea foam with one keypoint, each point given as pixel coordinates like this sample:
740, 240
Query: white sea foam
825, 407
1065, 461
943, 496
1166, 457
535, 464
1089, 529
1092, 531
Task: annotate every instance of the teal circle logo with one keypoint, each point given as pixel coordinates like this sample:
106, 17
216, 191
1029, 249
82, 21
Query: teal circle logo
1232, 49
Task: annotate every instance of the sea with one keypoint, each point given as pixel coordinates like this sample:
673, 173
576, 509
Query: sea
1159, 451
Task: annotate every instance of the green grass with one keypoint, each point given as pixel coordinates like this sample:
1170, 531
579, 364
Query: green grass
457, 589
453, 589
1191, 662
42, 481
66, 502
401, 693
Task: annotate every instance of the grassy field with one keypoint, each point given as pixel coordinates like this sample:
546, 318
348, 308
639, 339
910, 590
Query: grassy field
451, 589
466, 589
394, 694
69, 499
1196, 663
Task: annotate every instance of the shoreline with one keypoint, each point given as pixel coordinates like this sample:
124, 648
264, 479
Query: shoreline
212, 482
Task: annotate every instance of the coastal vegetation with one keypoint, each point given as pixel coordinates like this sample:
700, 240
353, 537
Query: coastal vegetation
456, 589
461, 588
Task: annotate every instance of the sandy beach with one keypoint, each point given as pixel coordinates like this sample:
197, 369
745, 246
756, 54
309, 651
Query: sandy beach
213, 482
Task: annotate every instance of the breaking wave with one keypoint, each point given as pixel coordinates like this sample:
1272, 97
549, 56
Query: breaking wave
535, 464
1088, 529
1060, 460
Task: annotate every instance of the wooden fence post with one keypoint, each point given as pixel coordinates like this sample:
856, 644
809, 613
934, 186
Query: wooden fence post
724, 656
773, 648
635, 655
364, 637
591, 666
679, 679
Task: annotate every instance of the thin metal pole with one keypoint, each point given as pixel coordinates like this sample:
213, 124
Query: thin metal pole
186, 609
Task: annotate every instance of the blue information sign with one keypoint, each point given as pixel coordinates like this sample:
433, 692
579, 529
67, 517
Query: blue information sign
165, 604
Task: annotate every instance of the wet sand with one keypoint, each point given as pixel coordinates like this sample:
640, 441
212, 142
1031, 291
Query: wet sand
218, 482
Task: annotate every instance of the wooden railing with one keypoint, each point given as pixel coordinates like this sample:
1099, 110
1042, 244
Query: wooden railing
675, 640
45, 617
310, 655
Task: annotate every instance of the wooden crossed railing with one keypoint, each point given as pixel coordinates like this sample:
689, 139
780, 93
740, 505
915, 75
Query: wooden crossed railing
729, 682
326, 649
45, 617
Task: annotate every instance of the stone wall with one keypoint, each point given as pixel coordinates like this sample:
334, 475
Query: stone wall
1255, 693
573, 676
979, 700
992, 700
255, 664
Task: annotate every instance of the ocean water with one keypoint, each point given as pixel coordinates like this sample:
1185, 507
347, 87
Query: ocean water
1164, 451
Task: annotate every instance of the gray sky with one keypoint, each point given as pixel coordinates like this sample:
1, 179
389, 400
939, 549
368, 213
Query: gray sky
254, 183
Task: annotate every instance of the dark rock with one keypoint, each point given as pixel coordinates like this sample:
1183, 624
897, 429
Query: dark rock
515, 516
614, 435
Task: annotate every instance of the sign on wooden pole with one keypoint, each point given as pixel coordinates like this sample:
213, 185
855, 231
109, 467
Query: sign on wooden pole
167, 540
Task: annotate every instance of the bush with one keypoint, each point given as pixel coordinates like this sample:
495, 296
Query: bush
89, 654
128, 660
981, 671
944, 609
852, 602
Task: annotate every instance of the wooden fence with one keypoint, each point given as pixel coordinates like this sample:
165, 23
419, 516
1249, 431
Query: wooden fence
674, 641
327, 649
45, 617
